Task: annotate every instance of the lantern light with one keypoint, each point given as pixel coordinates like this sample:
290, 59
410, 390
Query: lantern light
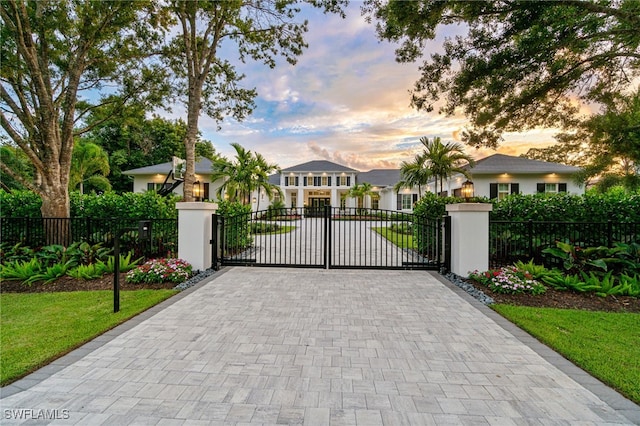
467, 190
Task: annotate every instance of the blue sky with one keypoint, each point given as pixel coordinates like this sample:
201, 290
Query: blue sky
346, 100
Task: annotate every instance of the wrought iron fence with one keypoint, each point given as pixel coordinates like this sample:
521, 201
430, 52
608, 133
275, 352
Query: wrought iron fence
38, 232
510, 241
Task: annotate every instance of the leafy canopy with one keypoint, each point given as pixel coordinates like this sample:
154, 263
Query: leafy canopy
519, 65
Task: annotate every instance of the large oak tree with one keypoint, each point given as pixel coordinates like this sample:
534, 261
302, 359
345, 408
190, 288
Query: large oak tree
51, 52
518, 64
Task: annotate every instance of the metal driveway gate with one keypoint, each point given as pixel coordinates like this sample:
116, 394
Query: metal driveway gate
330, 237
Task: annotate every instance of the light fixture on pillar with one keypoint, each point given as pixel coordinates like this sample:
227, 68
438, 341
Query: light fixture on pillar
467, 190
197, 190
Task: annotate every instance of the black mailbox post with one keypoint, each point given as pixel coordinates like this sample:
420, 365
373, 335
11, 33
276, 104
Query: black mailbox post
144, 230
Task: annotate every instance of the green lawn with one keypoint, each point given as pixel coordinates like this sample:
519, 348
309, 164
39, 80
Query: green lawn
401, 240
40, 327
282, 230
607, 345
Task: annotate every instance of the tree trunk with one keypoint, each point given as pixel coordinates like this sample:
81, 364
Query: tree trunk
56, 215
193, 115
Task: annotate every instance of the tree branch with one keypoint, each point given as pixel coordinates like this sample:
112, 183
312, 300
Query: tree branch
27, 184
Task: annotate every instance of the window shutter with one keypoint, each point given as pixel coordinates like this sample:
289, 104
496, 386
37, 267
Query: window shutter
286, 181
415, 199
329, 181
562, 187
493, 190
304, 181
540, 187
399, 202
206, 191
515, 188
348, 180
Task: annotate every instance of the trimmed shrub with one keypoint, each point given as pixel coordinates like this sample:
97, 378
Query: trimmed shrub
616, 206
236, 230
146, 205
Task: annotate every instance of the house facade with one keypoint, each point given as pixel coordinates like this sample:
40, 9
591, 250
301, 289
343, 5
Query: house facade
165, 177
319, 183
499, 175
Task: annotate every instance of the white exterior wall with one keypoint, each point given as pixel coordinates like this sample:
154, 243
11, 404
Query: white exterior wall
140, 184
527, 183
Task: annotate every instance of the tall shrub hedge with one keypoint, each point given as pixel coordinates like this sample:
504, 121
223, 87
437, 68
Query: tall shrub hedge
431, 205
237, 232
147, 205
617, 206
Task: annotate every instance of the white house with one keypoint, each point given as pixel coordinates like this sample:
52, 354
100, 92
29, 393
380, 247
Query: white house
163, 177
499, 175
319, 183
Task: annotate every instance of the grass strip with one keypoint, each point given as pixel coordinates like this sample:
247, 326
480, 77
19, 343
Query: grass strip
284, 229
399, 239
605, 344
40, 327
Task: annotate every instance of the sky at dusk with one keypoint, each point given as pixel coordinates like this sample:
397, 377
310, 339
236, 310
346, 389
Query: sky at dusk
346, 101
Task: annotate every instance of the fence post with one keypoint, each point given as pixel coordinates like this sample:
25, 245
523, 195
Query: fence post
469, 237
445, 244
530, 237
215, 246
194, 233
327, 236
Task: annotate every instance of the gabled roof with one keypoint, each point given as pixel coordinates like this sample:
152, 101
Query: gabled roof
319, 166
203, 167
500, 163
380, 177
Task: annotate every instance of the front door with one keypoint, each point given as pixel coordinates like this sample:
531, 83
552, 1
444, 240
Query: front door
319, 202
316, 207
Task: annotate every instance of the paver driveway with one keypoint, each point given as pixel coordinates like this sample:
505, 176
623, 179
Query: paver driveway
278, 346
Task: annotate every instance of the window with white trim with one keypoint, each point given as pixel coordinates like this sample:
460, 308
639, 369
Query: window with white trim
551, 187
504, 189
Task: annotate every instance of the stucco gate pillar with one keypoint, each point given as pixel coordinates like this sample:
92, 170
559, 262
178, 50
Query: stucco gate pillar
194, 233
469, 237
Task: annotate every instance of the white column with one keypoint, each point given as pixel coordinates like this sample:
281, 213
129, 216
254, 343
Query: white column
469, 237
194, 233
300, 196
335, 201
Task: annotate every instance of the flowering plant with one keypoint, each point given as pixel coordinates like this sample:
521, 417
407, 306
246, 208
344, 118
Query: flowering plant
160, 271
509, 280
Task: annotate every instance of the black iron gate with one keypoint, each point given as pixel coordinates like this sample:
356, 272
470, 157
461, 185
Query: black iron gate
330, 237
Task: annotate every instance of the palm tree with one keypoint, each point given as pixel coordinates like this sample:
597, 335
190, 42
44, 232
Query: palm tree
262, 170
90, 164
249, 172
236, 174
360, 191
443, 160
413, 174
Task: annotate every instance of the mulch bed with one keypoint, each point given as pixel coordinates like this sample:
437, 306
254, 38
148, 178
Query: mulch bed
72, 284
566, 299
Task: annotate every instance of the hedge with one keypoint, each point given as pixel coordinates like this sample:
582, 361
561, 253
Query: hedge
146, 205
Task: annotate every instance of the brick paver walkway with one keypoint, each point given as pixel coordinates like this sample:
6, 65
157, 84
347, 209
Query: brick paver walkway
317, 347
